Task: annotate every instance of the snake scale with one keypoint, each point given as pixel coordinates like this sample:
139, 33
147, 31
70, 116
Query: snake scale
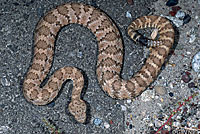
110, 56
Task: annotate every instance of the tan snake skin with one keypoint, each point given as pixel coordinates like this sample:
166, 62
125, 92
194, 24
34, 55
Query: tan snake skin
110, 56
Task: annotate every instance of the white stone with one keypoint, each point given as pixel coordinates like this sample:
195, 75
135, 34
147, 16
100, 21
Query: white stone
128, 101
128, 14
180, 14
192, 38
196, 62
123, 108
106, 125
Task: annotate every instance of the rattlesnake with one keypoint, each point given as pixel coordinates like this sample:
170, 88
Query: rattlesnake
110, 56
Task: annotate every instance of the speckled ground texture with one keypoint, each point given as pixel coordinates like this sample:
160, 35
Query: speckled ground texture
77, 46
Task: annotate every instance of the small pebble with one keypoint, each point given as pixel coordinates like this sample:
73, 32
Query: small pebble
130, 126
151, 124
128, 14
79, 54
97, 121
186, 78
118, 105
171, 94
160, 90
191, 85
172, 13
129, 101
111, 122
131, 116
123, 108
196, 62
186, 19
188, 53
171, 85
171, 3
192, 38
180, 14
106, 125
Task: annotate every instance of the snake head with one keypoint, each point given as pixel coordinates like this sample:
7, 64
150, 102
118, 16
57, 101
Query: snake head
78, 109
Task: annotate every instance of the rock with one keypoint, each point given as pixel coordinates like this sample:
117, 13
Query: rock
191, 85
192, 38
128, 14
123, 108
196, 62
171, 3
180, 14
171, 94
186, 19
172, 13
79, 54
97, 121
130, 126
186, 77
129, 101
106, 125
160, 90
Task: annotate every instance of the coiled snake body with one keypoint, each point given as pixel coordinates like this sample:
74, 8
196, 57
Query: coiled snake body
110, 56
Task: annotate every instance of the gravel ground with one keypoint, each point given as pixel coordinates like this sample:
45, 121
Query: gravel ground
74, 47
